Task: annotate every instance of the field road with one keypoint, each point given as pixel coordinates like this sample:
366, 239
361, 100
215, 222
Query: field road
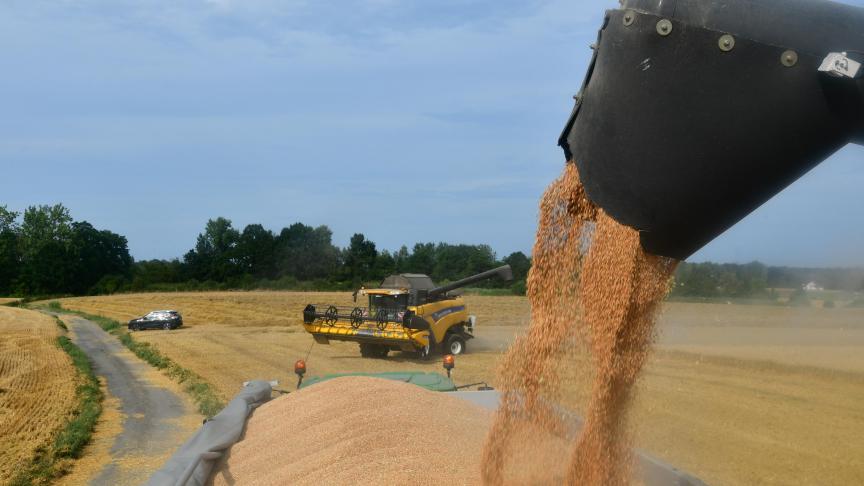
154, 419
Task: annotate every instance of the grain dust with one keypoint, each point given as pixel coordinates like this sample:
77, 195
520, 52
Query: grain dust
591, 286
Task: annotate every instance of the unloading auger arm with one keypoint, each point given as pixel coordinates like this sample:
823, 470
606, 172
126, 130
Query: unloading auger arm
694, 113
503, 272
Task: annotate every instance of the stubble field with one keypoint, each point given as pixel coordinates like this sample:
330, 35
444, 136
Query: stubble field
37, 387
735, 394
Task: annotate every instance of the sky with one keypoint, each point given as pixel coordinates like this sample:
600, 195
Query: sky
406, 121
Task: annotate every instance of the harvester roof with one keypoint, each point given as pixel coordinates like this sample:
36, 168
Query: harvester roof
408, 281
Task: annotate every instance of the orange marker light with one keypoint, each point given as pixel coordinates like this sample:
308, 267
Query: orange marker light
449, 362
300, 367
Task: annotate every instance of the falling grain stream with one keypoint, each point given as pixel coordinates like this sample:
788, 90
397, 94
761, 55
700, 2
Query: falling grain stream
591, 285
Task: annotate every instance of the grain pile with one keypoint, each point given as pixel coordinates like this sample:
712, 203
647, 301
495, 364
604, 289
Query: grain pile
361, 430
37, 387
591, 285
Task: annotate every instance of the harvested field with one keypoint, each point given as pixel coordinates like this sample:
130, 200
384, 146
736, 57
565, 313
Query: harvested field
37, 387
371, 431
735, 394
7, 300
265, 308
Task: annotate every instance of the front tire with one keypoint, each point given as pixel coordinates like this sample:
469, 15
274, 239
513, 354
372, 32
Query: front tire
167, 326
424, 352
455, 345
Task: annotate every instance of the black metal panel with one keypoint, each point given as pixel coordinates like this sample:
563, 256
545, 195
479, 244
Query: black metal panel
680, 140
812, 26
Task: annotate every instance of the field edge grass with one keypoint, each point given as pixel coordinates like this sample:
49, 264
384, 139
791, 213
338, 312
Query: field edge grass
70, 440
202, 392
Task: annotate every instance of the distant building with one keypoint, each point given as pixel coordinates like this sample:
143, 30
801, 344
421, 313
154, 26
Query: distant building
811, 287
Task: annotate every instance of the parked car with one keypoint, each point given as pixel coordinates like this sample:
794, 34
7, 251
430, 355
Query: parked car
162, 319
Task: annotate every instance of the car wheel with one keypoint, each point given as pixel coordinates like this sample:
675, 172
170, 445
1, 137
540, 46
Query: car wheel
133, 327
455, 345
167, 326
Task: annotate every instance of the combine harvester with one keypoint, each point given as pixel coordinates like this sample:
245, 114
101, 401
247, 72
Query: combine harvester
693, 114
408, 313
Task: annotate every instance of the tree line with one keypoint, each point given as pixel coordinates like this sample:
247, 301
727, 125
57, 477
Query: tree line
43, 251
754, 280
302, 256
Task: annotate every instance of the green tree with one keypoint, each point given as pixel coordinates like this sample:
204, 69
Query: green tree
520, 264
214, 257
401, 260
453, 262
422, 259
97, 255
307, 253
150, 272
256, 251
46, 235
385, 265
359, 259
10, 258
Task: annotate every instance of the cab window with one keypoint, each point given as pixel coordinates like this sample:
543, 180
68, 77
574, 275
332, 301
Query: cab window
397, 302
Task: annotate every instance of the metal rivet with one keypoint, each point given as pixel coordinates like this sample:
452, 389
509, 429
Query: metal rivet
629, 17
726, 43
664, 27
789, 58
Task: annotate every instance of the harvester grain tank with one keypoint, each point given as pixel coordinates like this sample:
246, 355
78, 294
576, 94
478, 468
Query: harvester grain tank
408, 312
694, 113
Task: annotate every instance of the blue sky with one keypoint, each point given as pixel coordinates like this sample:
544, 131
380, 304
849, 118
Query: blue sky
407, 121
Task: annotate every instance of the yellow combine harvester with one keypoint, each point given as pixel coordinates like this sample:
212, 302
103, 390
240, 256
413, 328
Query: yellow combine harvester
408, 313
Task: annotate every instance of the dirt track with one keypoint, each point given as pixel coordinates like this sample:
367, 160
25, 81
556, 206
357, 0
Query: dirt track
154, 417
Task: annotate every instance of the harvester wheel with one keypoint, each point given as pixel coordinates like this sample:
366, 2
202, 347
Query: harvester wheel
455, 345
424, 352
356, 317
381, 319
330, 317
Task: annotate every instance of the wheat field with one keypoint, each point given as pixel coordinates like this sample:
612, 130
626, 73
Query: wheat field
37, 387
735, 394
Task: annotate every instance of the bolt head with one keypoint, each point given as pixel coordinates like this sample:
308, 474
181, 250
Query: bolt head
789, 58
664, 27
629, 17
726, 43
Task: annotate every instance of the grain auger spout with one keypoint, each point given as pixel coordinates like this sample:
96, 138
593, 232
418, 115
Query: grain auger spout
503, 273
694, 113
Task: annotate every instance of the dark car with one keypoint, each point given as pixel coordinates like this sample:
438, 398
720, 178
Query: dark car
164, 319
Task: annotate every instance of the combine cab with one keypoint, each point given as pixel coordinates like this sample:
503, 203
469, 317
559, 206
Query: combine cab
407, 313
